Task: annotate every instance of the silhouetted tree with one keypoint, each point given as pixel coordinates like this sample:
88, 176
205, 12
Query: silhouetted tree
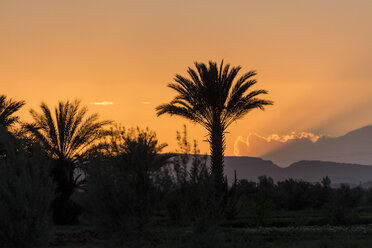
65, 138
120, 192
210, 98
7, 118
7, 110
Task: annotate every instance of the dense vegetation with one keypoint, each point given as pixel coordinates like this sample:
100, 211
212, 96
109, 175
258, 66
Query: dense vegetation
140, 197
26, 195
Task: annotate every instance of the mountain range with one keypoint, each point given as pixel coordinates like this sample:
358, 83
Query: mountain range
251, 168
354, 147
345, 159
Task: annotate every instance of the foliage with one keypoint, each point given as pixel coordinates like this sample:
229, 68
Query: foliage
120, 190
192, 198
26, 194
7, 110
69, 134
344, 200
7, 118
65, 138
210, 98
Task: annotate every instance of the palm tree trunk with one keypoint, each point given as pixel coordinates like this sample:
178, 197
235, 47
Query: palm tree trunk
64, 210
217, 144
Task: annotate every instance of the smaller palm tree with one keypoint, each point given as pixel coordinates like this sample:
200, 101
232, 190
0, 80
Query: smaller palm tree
7, 110
65, 138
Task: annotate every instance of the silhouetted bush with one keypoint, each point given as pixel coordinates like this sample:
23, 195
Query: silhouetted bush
295, 195
344, 200
193, 199
26, 194
189, 175
120, 191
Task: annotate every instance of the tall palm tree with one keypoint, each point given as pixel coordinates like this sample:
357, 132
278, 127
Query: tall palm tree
7, 110
65, 138
210, 98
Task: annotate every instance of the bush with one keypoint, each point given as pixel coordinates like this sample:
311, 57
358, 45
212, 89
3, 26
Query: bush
192, 199
26, 194
120, 191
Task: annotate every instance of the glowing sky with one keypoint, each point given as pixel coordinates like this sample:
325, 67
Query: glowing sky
314, 57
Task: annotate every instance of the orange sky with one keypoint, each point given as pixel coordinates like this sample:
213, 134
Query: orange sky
314, 57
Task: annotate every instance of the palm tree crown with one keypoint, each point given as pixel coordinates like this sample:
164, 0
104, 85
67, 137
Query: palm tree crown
210, 97
7, 109
69, 134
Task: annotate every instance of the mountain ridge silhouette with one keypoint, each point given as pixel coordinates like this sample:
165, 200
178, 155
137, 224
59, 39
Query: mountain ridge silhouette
251, 168
354, 147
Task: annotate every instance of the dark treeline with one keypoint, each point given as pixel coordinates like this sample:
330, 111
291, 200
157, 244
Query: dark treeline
336, 205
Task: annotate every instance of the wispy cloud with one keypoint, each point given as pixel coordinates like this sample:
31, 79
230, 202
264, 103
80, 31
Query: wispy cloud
104, 103
293, 135
146, 103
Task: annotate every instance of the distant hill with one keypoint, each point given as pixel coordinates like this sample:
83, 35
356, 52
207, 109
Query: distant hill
353, 147
312, 171
250, 168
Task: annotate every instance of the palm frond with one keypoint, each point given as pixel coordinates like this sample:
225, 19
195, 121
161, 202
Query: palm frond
210, 95
68, 134
7, 110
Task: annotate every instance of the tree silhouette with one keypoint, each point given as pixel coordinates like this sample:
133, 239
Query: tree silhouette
210, 98
7, 118
7, 110
65, 138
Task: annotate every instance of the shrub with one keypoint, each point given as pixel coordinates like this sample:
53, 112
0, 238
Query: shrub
120, 190
26, 194
193, 197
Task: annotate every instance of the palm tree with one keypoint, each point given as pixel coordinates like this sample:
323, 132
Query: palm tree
7, 110
7, 119
64, 139
210, 98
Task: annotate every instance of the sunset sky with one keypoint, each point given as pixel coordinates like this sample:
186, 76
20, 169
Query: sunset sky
314, 57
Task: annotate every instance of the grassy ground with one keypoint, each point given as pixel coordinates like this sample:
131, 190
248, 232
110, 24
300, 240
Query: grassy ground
310, 237
79, 236
292, 230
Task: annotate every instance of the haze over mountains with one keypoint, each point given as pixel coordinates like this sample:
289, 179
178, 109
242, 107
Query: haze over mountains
354, 147
251, 168
309, 160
